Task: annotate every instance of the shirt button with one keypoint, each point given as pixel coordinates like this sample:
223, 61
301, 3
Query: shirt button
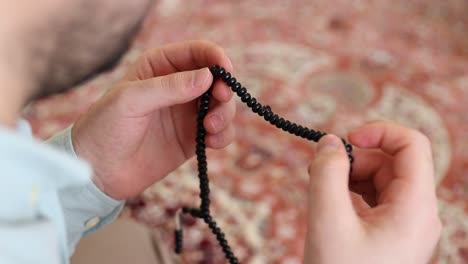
92, 222
34, 196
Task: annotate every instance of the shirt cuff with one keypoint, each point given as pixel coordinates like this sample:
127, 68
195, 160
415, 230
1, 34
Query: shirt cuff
86, 208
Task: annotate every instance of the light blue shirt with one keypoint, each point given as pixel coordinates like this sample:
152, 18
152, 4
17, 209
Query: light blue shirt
47, 199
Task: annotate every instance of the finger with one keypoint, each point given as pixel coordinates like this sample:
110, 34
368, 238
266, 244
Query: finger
220, 117
139, 98
222, 92
329, 197
358, 202
366, 189
371, 165
410, 149
367, 162
182, 56
222, 139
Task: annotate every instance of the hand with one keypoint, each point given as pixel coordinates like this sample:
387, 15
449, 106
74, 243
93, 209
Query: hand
402, 225
145, 126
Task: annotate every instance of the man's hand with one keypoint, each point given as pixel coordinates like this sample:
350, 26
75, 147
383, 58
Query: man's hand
145, 127
401, 227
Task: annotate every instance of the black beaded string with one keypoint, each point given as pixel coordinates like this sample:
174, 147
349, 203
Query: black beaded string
264, 111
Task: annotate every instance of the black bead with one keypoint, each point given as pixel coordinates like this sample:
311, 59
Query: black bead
246, 97
251, 102
351, 158
293, 128
178, 241
231, 82
299, 130
261, 111
226, 76
241, 91
280, 122
265, 111
205, 101
320, 135
256, 108
200, 126
211, 223
286, 125
220, 72
268, 116
204, 108
213, 69
317, 136
202, 164
201, 144
273, 119
236, 87
224, 244
200, 149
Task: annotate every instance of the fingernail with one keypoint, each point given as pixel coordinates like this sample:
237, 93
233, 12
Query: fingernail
215, 121
328, 143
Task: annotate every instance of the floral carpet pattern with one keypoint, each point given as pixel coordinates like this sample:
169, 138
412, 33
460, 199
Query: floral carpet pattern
331, 65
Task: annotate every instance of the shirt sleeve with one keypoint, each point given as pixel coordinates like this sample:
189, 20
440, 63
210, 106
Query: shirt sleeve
85, 207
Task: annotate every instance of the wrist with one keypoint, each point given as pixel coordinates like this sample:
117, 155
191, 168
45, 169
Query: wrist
81, 153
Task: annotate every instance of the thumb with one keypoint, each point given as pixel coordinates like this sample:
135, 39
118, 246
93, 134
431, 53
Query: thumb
145, 96
329, 173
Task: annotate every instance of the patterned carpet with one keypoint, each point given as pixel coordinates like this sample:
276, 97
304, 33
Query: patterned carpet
332, 65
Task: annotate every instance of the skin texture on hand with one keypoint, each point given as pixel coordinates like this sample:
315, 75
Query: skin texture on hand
145, 127
394, 165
